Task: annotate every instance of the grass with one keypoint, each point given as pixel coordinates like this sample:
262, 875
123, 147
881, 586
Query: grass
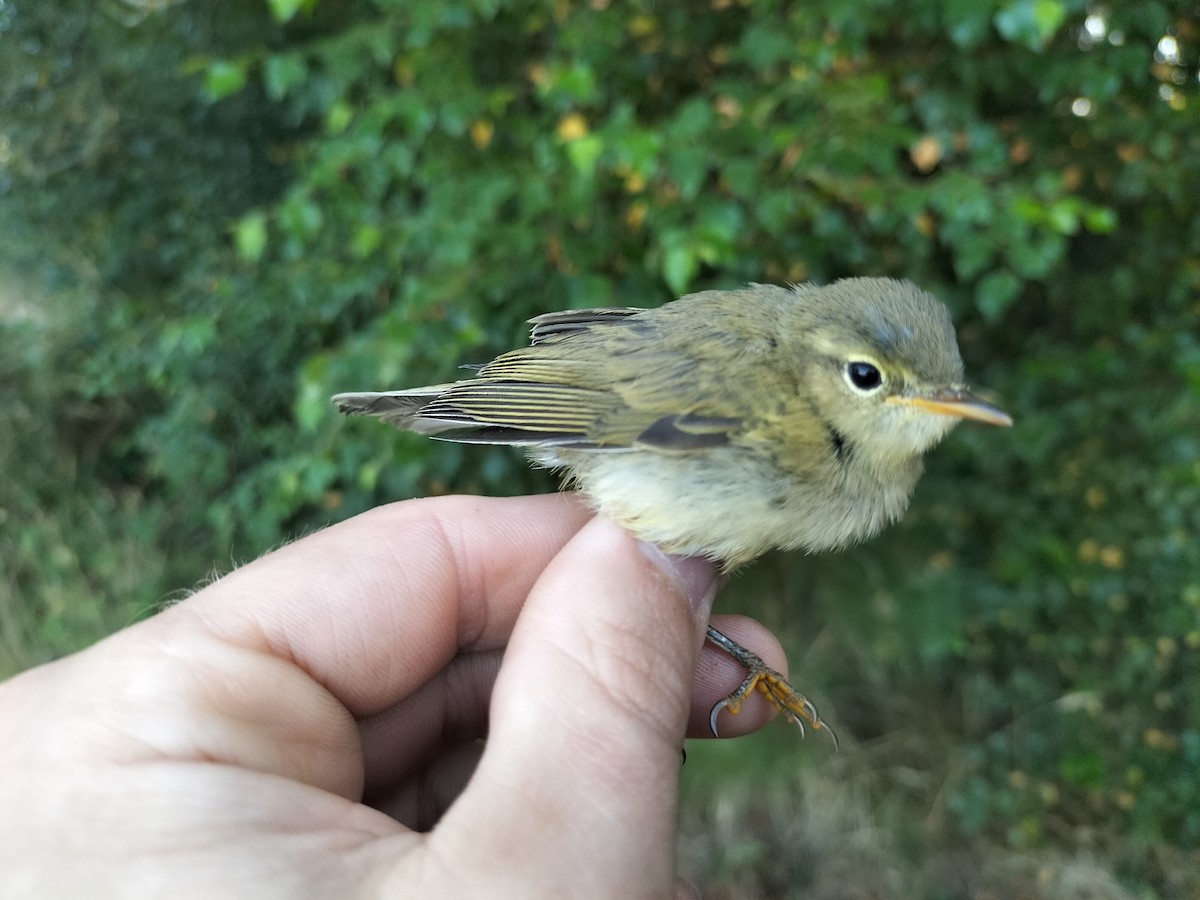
769, 817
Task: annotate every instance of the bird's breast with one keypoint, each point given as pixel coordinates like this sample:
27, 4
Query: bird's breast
732, 503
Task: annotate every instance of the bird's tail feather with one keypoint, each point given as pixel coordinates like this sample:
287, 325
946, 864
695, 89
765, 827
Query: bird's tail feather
397, 407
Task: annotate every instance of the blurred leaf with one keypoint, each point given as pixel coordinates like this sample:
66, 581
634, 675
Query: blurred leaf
1030, 22
224, 77
584, 152
300, 217
996, 292
339, 117
1063, 216
283, 73
367, 240
285, 10
1100, 219
250, 235
967, 21
679, 263
766, 45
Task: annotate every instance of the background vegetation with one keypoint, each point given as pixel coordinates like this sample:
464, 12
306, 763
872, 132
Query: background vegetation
216, 215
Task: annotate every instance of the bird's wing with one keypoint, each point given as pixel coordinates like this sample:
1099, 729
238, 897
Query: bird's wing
533, 399
483, 410
686, 376
600, 379
554, 326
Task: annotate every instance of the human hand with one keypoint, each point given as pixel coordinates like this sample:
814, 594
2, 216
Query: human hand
310, 725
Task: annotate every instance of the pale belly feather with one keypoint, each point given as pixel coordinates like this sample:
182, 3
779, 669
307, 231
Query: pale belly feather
688, 504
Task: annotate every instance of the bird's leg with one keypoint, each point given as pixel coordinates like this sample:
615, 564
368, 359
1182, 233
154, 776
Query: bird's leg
794, 706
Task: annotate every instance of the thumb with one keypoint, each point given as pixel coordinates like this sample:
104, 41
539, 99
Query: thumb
587, 720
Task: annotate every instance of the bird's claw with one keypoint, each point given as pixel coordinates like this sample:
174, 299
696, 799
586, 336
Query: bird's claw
716, 711
794, 706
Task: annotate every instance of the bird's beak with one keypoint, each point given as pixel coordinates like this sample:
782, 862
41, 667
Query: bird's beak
957, 402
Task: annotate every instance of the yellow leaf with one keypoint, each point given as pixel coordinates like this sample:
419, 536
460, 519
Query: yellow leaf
481, 133
926, 153
643, 25
572, 127
635, 215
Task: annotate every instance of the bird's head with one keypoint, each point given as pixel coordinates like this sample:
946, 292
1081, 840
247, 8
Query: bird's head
883, 366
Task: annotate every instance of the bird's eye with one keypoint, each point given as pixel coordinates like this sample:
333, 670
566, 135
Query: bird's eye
864, 376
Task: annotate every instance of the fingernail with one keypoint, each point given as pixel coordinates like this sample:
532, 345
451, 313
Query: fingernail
696, 577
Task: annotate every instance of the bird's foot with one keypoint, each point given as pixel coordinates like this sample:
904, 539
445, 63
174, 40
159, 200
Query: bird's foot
792, 705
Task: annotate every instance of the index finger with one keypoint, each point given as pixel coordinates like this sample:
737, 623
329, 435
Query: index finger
374, 606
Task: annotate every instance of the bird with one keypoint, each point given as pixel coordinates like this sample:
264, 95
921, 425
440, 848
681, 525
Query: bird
725, 423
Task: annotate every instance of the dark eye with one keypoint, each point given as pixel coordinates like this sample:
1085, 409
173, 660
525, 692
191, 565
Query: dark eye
863, 375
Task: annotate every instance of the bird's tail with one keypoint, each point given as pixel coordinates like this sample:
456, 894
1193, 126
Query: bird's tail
400, 408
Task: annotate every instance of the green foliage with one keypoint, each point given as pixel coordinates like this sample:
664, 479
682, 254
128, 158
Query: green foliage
80, 557
254, 210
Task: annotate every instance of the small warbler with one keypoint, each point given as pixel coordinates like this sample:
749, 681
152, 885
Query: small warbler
726, 423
